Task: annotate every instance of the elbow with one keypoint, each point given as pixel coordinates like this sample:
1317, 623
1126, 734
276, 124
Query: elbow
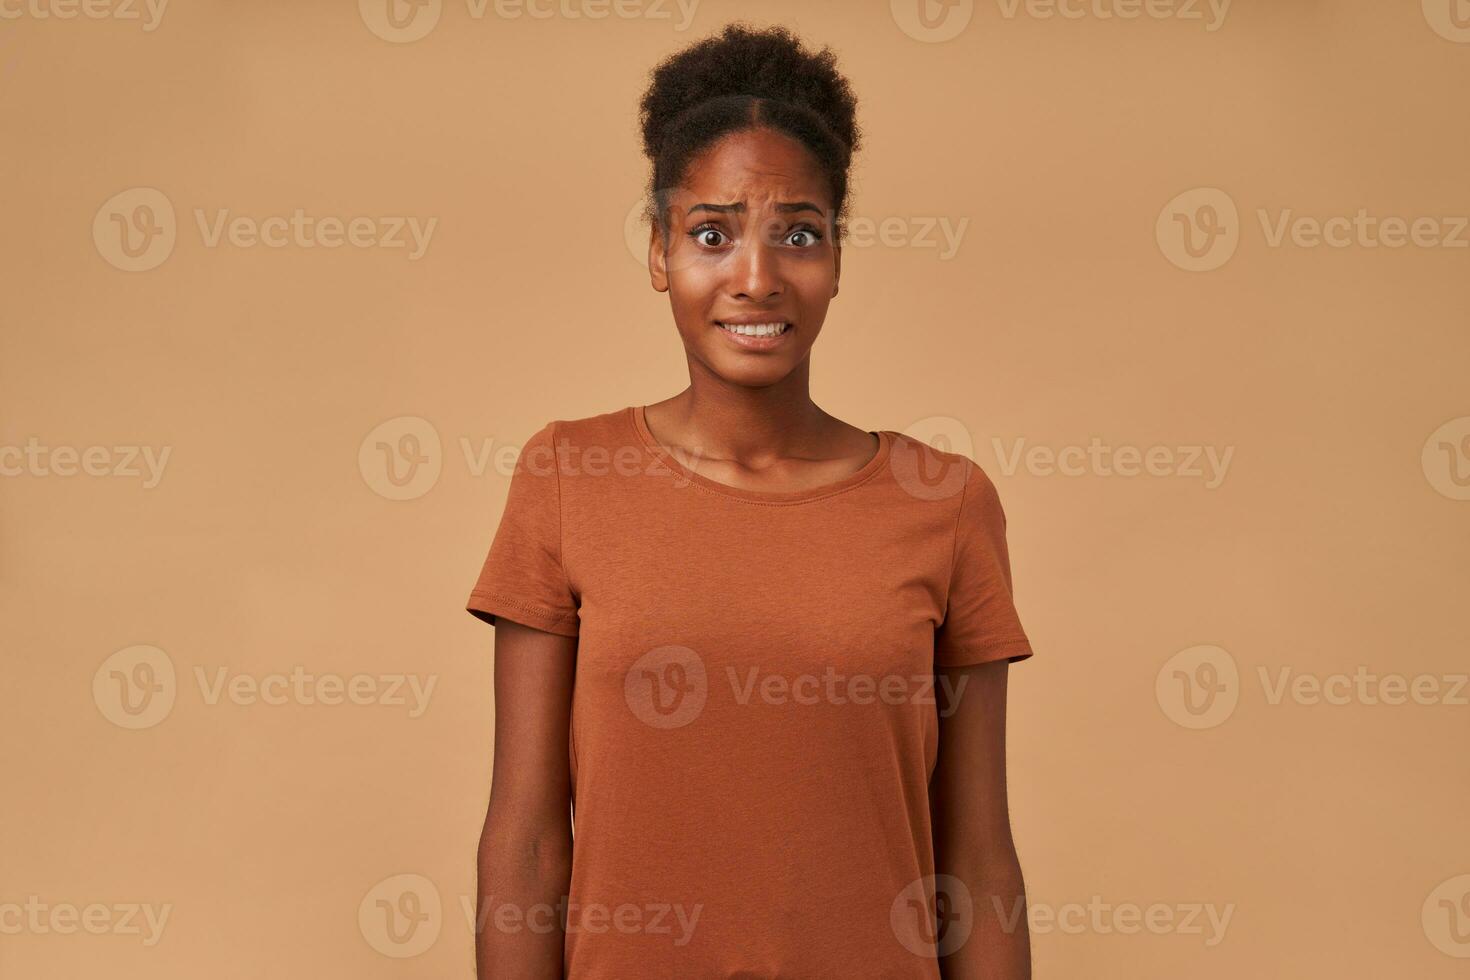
526, 849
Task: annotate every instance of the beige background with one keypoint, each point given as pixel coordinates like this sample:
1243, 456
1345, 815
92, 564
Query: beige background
1333, 835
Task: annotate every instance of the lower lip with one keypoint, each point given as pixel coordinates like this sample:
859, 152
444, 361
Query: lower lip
745, 342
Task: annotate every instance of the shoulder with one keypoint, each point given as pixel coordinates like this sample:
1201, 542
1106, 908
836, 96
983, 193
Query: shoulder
936, 473
602, 428
569, 442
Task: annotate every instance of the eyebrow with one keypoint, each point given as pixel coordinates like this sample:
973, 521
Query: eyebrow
790, 208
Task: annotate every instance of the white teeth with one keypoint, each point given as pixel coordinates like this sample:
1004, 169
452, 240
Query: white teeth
755, 329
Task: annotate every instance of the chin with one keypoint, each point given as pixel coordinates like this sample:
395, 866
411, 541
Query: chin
750, 375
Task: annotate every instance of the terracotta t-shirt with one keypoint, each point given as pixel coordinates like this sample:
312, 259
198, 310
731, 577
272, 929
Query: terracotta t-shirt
754, 720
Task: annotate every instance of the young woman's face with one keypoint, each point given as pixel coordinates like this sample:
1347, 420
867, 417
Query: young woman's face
750, 242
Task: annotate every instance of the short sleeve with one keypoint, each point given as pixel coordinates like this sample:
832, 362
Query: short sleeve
980, 621
523, 578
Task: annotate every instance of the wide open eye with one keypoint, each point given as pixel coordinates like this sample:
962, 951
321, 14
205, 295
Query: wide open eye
706, 235
811, 236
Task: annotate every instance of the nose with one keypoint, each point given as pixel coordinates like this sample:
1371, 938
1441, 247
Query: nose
755, 272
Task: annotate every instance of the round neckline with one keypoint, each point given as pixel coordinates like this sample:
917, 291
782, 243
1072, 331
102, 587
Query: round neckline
868, 470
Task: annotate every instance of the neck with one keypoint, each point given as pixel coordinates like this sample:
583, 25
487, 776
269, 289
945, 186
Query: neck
725, 421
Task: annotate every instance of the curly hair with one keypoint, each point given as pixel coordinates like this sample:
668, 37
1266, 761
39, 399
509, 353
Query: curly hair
743, 78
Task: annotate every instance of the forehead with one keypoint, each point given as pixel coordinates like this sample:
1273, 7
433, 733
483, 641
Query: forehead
753, 166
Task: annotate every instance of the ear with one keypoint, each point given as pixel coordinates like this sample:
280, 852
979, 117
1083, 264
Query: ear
837, 267
658, 273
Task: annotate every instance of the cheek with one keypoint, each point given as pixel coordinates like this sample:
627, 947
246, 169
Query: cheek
813, 282
694, 282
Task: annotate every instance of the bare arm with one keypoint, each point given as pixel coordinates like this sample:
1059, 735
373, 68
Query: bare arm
972, 827
525, 854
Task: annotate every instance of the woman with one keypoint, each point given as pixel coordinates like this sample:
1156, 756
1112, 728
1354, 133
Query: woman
761, 652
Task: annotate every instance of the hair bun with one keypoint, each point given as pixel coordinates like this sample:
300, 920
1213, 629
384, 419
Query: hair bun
741, 78
744, 62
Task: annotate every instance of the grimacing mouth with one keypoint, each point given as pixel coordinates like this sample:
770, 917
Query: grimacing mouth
754, 328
